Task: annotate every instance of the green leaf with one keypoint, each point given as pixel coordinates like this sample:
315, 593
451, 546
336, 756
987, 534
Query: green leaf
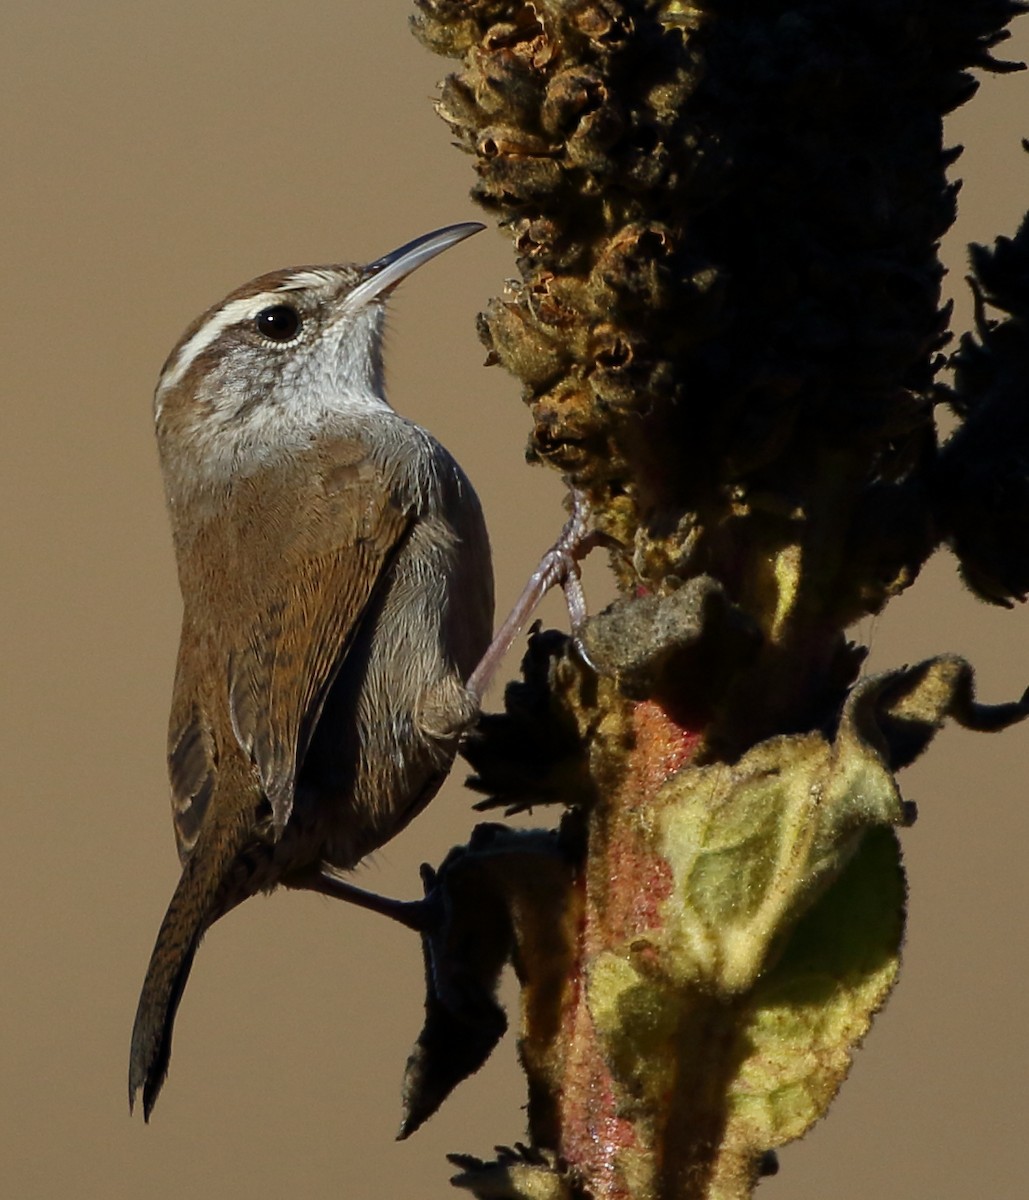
806, 1016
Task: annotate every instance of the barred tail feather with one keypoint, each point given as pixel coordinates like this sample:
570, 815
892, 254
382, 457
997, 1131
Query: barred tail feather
194, 906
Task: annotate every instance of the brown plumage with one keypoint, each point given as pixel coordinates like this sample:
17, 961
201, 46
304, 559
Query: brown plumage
337, 593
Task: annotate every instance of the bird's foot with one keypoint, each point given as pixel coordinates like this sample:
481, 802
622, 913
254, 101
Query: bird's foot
559, 565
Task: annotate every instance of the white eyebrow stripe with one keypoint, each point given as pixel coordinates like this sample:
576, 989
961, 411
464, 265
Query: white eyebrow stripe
316, 277
228, 315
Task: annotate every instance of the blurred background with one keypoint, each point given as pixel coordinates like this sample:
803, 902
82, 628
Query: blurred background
154, 157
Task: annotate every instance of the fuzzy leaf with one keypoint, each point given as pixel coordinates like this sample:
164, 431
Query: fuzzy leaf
807, 1015
752, 844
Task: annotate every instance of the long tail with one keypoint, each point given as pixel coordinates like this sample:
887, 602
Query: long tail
199, 899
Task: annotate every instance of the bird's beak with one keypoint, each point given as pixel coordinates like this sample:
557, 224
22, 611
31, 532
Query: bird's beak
386, 272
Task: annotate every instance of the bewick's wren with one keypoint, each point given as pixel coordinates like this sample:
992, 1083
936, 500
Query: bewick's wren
337, 591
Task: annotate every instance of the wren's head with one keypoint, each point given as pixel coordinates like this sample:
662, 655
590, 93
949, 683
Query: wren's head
261, 373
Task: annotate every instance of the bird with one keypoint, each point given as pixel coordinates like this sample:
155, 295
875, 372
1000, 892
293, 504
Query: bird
337, 590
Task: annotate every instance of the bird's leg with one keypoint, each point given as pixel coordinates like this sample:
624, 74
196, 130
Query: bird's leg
419, 915
560, 565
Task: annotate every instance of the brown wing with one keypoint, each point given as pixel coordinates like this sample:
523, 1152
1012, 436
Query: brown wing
192, 766
314, 553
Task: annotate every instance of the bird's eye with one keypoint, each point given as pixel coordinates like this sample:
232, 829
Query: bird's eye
280, 323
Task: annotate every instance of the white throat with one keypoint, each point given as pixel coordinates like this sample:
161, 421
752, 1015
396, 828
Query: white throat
256, 406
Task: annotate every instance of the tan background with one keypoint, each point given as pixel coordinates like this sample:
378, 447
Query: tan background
153, 156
